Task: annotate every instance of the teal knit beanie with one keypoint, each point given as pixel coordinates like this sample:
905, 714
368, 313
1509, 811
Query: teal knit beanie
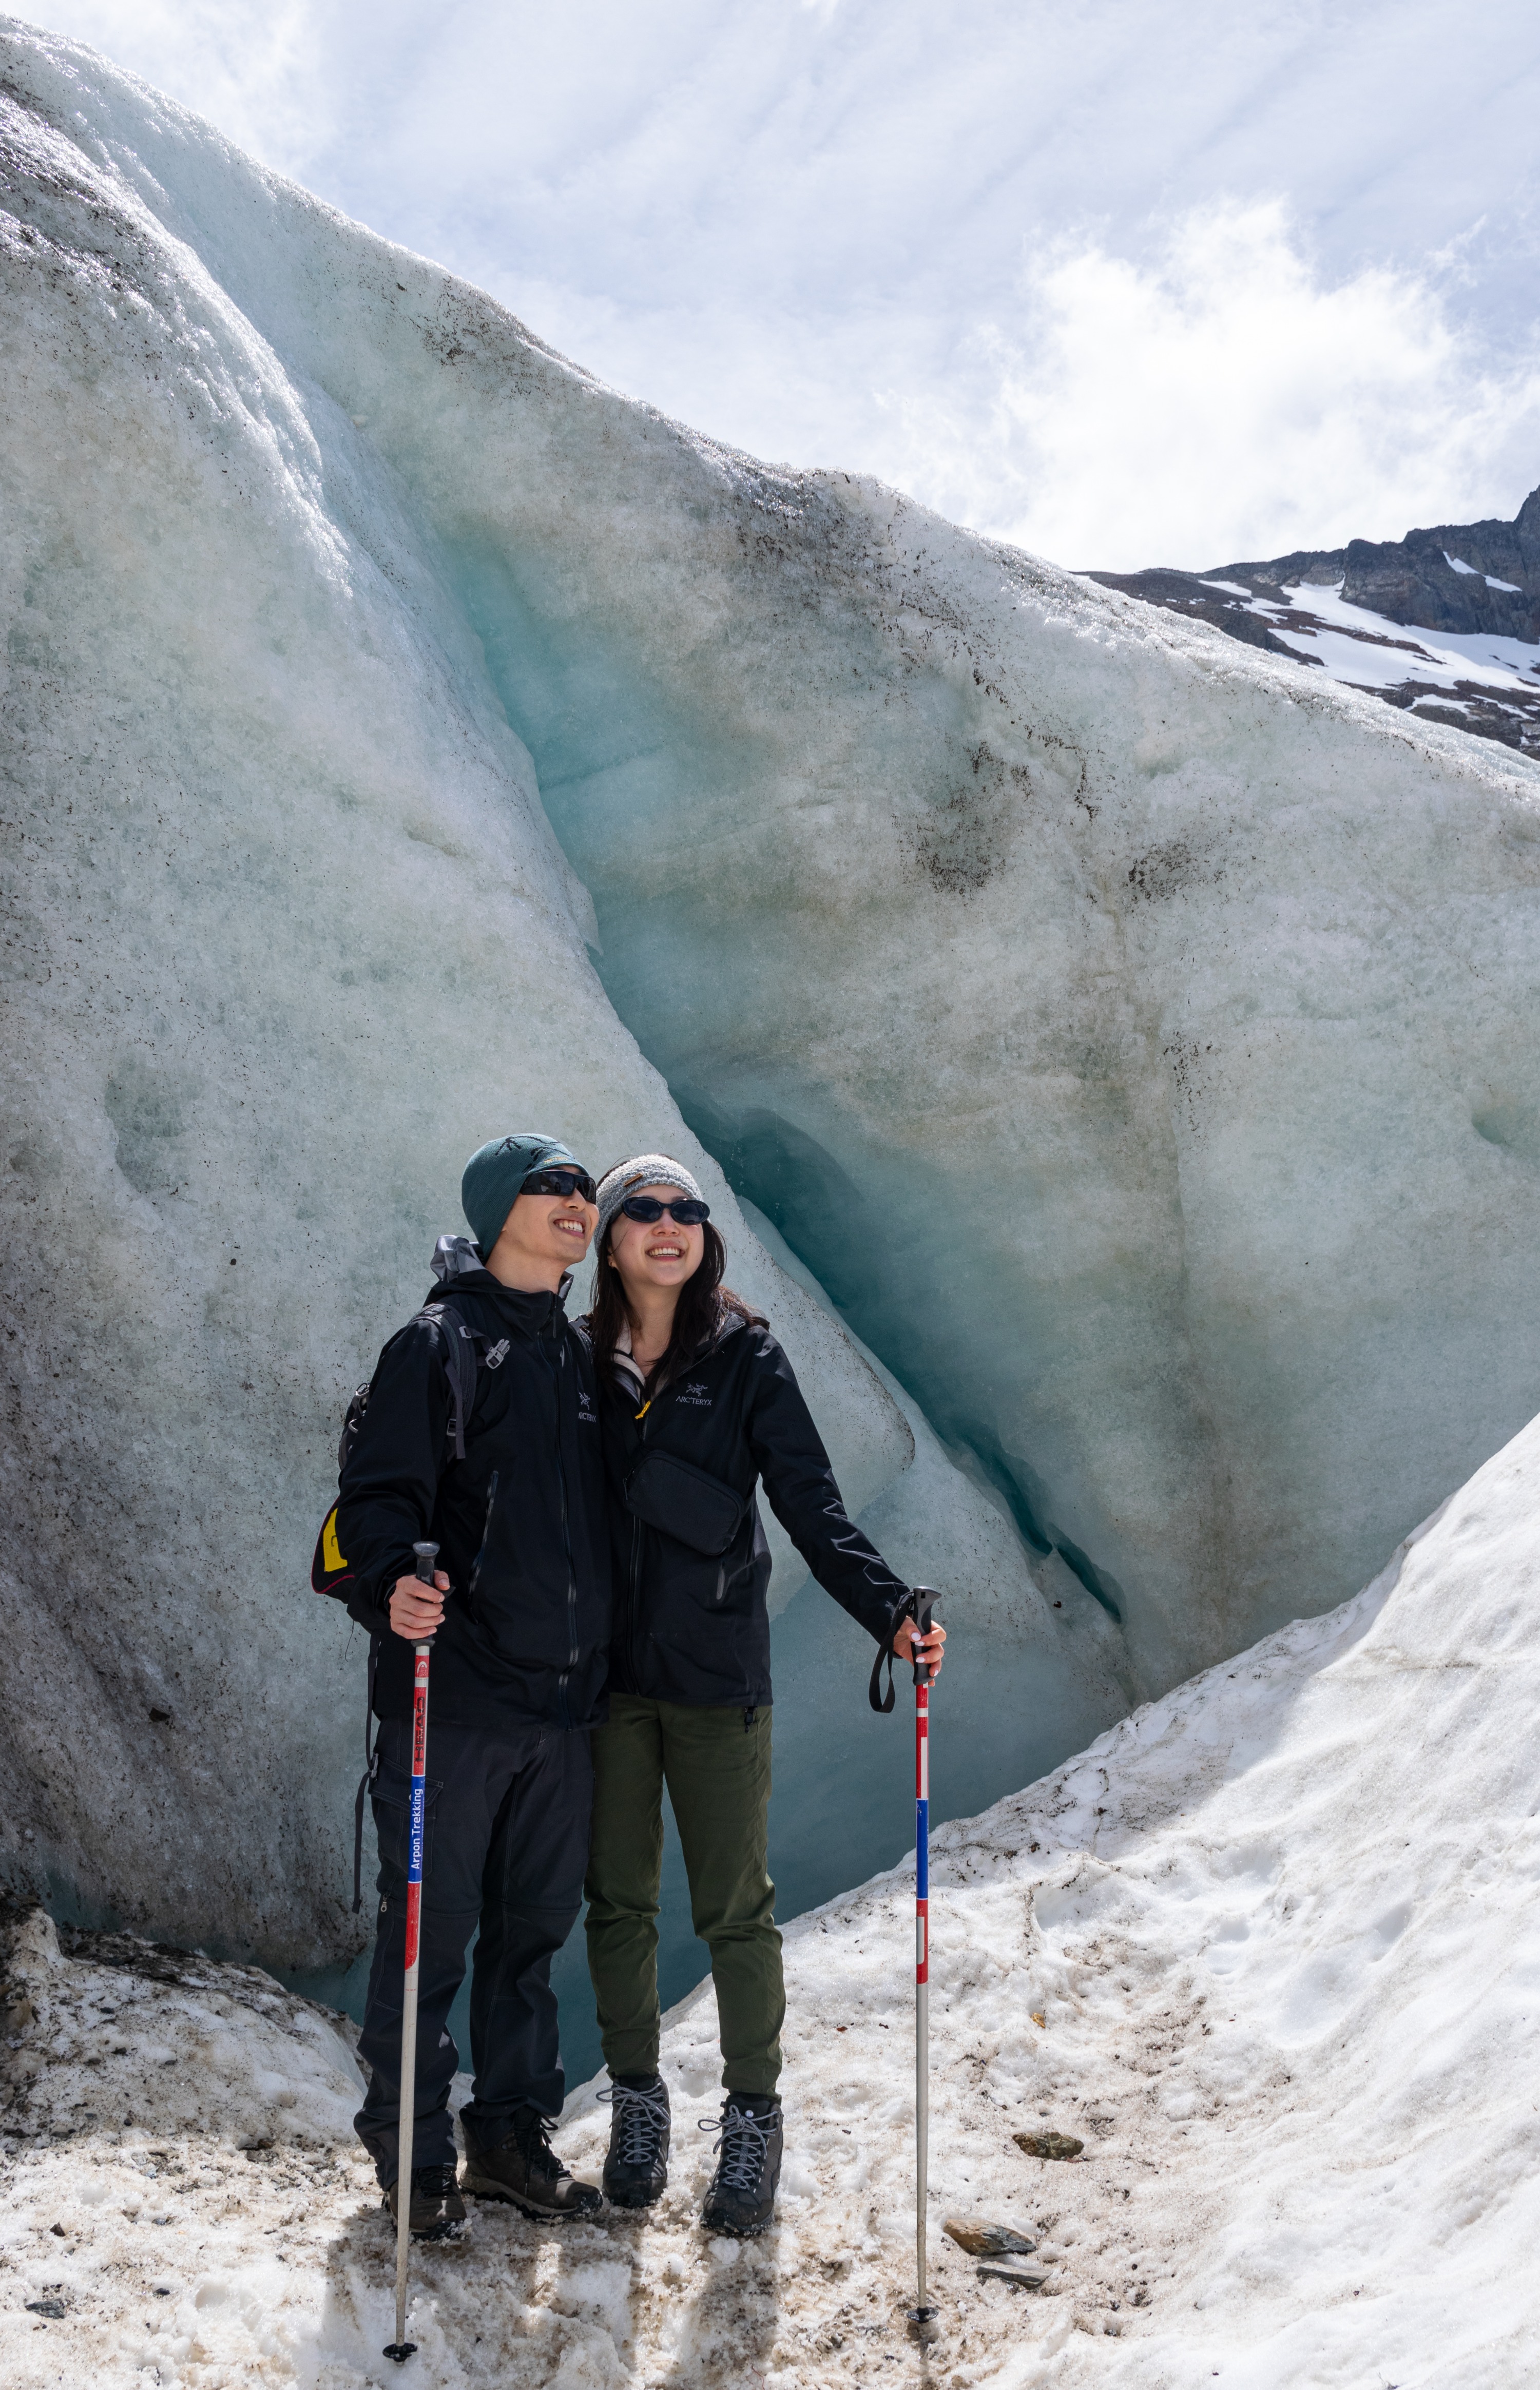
495, 1175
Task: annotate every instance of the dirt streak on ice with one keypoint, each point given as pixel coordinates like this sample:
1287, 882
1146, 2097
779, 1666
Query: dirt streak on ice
1271, 1948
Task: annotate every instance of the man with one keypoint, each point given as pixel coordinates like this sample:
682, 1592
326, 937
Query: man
519, 1610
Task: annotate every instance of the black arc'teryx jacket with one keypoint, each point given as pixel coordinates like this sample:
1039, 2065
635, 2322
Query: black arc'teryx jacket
693, 1628
520, 1522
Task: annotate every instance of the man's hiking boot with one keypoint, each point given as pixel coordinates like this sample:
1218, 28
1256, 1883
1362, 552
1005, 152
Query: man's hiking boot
742, 2197
635, 2172
438, 2211
523, 2168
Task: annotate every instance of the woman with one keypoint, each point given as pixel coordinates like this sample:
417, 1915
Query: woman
698, 1405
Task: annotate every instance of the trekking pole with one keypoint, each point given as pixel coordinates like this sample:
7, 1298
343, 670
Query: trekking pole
401, 2348
924, 1598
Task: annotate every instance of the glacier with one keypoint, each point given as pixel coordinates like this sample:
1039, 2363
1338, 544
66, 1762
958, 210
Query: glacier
287, 931
1133, 1041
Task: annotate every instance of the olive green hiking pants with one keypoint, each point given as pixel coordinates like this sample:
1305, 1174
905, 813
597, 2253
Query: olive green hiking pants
717, 1770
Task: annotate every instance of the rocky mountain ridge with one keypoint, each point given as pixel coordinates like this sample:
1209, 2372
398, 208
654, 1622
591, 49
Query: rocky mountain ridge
1473, 582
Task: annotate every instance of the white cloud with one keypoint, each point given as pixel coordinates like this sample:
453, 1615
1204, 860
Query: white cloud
1280, 264
1221, 401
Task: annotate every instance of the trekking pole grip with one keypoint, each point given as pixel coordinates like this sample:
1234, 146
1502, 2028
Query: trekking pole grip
925, 1602
426, 1554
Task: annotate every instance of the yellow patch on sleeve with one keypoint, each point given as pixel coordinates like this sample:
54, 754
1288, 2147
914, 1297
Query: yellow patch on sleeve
331, 1552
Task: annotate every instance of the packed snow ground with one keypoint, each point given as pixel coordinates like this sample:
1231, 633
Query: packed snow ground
1270, 1949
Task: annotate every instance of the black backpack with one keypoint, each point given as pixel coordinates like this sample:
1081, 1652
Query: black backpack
329, 1572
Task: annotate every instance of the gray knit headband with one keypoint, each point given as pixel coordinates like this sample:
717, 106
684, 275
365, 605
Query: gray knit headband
642, 1170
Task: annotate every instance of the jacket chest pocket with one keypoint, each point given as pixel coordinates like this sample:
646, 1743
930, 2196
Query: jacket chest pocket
686, 1503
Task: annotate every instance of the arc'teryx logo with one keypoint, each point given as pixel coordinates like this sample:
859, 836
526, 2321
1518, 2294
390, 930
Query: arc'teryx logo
696, 1395
585, 1409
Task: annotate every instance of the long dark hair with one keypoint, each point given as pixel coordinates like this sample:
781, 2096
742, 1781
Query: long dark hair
699, 1315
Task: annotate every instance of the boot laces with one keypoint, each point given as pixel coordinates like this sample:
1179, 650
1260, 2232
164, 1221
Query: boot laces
532, 2132
744, 2141
643, 2117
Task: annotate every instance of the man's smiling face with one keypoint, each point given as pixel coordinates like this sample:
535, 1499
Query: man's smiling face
543, 1236
547, 1227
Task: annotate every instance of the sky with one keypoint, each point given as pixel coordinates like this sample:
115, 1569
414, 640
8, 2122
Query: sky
1127, 282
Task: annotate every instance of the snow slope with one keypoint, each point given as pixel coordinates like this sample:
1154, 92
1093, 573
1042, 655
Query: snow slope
1270, 1949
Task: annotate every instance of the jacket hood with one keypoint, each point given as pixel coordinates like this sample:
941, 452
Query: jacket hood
459, 1267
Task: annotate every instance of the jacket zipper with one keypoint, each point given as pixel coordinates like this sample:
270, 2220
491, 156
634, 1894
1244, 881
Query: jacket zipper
486, 1530
635, 1621
567, 1545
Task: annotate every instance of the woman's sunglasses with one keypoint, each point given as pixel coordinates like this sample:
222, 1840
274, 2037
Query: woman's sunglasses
687, 1211
559, 1182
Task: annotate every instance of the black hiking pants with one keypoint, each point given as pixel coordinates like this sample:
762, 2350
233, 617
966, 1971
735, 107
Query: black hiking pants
504, 1844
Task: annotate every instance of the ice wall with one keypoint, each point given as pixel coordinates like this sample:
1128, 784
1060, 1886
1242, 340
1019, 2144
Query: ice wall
287, 934
1138, 1044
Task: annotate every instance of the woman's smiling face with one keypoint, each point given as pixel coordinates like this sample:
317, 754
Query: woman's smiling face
656, 1252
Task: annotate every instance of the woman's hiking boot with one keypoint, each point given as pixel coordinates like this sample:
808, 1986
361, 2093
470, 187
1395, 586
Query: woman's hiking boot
742, 2197
635, 2171
438, 2211
523, 2168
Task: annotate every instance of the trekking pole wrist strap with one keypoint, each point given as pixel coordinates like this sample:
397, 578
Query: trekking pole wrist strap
881, 1702
917, 1604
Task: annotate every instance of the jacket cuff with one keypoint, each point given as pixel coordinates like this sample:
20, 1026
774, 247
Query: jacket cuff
898, 1612
367, 1610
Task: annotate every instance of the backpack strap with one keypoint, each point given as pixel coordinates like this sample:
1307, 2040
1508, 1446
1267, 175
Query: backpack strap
371, 1761
459, 1364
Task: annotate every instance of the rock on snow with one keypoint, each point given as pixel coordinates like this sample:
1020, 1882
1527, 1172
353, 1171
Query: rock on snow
1270, 1949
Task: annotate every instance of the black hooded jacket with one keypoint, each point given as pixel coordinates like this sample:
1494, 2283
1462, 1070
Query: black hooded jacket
693, 1628
520, 1522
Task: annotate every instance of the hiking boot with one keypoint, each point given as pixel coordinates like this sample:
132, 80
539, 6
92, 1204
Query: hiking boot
742, 2197
438, 2211
635, 2172
524, 2169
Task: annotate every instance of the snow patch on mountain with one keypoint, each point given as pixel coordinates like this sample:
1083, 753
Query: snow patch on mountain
1439, 674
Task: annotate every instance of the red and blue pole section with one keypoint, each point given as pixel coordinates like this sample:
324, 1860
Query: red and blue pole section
401, 2348
924, 1602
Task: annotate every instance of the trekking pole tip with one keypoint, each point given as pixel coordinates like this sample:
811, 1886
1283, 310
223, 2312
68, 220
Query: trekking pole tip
398, 2351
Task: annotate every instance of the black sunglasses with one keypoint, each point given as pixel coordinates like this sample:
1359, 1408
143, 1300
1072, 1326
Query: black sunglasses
559, 1182
687, 1210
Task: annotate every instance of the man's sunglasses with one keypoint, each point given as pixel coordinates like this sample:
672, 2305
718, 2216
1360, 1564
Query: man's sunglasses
559, 1182
687, 1211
